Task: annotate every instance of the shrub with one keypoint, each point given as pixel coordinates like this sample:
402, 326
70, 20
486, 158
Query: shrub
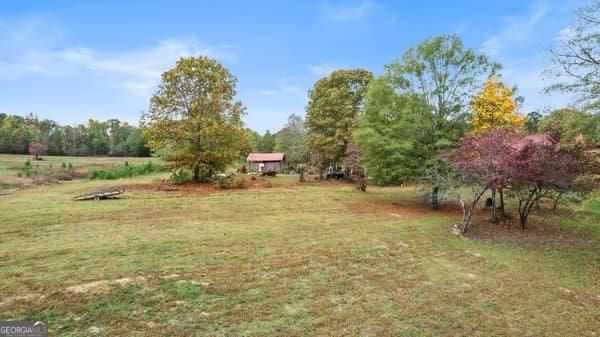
180, 176
127, 170
239, 182
223, 182
228, 183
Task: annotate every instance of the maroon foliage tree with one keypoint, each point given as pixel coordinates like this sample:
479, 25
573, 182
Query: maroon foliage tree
531, 166
37, 149
541, 165
482, 161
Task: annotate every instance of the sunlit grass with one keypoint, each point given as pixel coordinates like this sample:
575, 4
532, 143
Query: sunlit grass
290, 260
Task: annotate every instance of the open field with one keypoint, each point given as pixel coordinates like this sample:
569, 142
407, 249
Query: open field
290, 260
12, 164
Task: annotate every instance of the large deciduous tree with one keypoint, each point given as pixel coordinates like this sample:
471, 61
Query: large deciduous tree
194, 118
495, 106
576, 58
443, 74
332, 113
390, 134
290, 140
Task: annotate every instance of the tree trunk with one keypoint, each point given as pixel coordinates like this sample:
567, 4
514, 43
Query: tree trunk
493, 210
435, 202
526, 205
467, 216
196, 173
501, 200
555, 204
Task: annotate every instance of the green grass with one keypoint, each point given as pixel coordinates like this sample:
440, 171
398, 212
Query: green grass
291, 260
11, 164
128, 171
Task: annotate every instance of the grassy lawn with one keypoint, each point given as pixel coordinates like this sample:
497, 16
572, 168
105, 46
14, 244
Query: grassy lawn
290, 260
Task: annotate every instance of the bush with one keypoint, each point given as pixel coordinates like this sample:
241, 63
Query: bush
223, 182
228, 183
180, 176
127, 171
239, 182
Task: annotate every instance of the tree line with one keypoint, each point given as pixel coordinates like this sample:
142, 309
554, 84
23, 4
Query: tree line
108, 138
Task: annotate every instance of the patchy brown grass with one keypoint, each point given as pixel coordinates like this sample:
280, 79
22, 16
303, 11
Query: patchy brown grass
318, 259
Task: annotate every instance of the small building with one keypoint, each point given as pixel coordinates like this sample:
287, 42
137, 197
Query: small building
261, 162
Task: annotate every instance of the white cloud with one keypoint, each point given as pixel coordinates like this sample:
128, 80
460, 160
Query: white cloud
136, 71
517, 29
565, 34
322, 70
349, 13
285, 89
528, 76
267, 92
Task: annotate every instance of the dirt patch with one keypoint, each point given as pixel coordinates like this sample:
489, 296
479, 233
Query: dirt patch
100, 287
536, 233
406, 209
9, 301
193, 188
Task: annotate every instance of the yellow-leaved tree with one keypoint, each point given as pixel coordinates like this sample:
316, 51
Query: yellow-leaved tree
495, 106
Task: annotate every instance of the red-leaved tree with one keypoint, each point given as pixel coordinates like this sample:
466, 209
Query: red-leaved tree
541, 165
531, 166
37, 149
481, 161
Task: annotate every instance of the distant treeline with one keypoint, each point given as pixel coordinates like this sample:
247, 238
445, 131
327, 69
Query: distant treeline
109, 138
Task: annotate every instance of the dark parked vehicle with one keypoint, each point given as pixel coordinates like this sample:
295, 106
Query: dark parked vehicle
337, 175
269, 173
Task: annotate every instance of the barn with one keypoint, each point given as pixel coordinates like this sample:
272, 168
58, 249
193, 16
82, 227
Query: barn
260, 162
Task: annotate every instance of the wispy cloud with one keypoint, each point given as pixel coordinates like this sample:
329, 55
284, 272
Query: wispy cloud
285, 89
348, 13
136, 70
139, 70
324, 69
516, 29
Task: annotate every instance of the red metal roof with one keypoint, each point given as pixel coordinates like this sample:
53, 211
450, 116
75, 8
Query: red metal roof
266, 156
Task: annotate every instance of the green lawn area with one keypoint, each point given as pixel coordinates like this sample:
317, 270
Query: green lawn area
290, 260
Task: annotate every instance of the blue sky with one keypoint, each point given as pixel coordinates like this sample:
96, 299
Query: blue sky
73, 60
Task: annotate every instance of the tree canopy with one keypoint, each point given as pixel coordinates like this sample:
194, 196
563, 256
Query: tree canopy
389, 134
567, 123
531, 166
290, 140
100, 138
332, 113
576, 58
444, 74
194, 117
419, 108
495, 106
